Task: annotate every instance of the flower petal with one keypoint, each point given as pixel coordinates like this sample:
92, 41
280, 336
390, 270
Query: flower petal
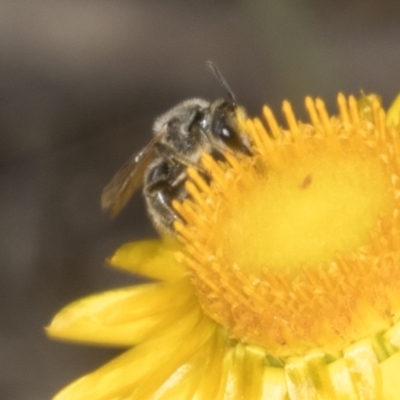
274, 384
393, 114
170, 382
308, 377
123, 317
214, 378
390, 377
152, 258
141, 370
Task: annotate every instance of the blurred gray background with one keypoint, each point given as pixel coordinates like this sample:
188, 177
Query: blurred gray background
80, 85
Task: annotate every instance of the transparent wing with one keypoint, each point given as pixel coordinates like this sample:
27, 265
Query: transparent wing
128, 179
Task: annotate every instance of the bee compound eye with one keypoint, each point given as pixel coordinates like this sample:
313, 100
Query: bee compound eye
224, 132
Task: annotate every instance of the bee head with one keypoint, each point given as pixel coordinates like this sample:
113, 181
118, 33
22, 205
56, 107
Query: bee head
224, 127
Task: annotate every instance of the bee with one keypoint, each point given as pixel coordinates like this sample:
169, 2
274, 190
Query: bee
181, 135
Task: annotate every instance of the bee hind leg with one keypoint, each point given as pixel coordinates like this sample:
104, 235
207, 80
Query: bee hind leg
159, 199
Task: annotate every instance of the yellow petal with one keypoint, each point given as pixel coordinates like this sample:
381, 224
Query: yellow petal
363, 366
341, 380
152, 258
181, 384
166, 384
228, 385
215, 376
146, 364
253, 372
392, 116
274, 384
308, 377
123, 317
390, 377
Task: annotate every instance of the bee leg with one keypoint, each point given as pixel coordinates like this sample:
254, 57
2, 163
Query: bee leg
159, 199
164, 183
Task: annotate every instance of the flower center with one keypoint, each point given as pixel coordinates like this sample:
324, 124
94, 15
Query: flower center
297, 247
305, 212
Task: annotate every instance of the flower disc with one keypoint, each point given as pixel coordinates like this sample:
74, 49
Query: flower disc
296, 247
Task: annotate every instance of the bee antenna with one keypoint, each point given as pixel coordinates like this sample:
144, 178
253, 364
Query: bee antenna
222, 80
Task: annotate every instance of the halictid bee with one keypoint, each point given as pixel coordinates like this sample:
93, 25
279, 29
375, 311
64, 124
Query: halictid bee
180, 137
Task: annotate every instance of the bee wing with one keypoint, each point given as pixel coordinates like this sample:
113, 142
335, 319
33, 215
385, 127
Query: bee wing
128, 179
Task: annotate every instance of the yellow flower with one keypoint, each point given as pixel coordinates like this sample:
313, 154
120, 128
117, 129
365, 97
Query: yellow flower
284, 282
